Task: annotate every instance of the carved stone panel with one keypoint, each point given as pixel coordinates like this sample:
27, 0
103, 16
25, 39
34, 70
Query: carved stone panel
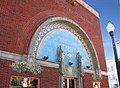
70, 71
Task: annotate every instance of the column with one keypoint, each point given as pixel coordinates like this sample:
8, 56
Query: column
80, 71
61, 66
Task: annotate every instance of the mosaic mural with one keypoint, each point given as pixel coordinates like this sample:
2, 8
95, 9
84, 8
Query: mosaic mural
55, 35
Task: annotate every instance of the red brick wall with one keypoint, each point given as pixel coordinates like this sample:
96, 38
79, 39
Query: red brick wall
48, 78
19, 19
88, 81
5, 73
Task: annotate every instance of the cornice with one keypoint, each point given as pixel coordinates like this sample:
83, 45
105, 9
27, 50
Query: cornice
13, 57
88, 7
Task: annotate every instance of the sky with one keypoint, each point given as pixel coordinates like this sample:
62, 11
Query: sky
109, 11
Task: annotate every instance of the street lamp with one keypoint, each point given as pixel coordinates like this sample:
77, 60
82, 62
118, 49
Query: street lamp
110, 29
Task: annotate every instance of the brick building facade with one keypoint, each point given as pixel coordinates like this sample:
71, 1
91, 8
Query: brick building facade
40, 28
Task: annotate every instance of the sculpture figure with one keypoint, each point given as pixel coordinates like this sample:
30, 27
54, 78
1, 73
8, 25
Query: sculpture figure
79, 57
60, 54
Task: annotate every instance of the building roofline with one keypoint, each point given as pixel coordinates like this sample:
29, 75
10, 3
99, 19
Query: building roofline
88, 7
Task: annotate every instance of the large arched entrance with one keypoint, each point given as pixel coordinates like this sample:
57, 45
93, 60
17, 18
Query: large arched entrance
60, 40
